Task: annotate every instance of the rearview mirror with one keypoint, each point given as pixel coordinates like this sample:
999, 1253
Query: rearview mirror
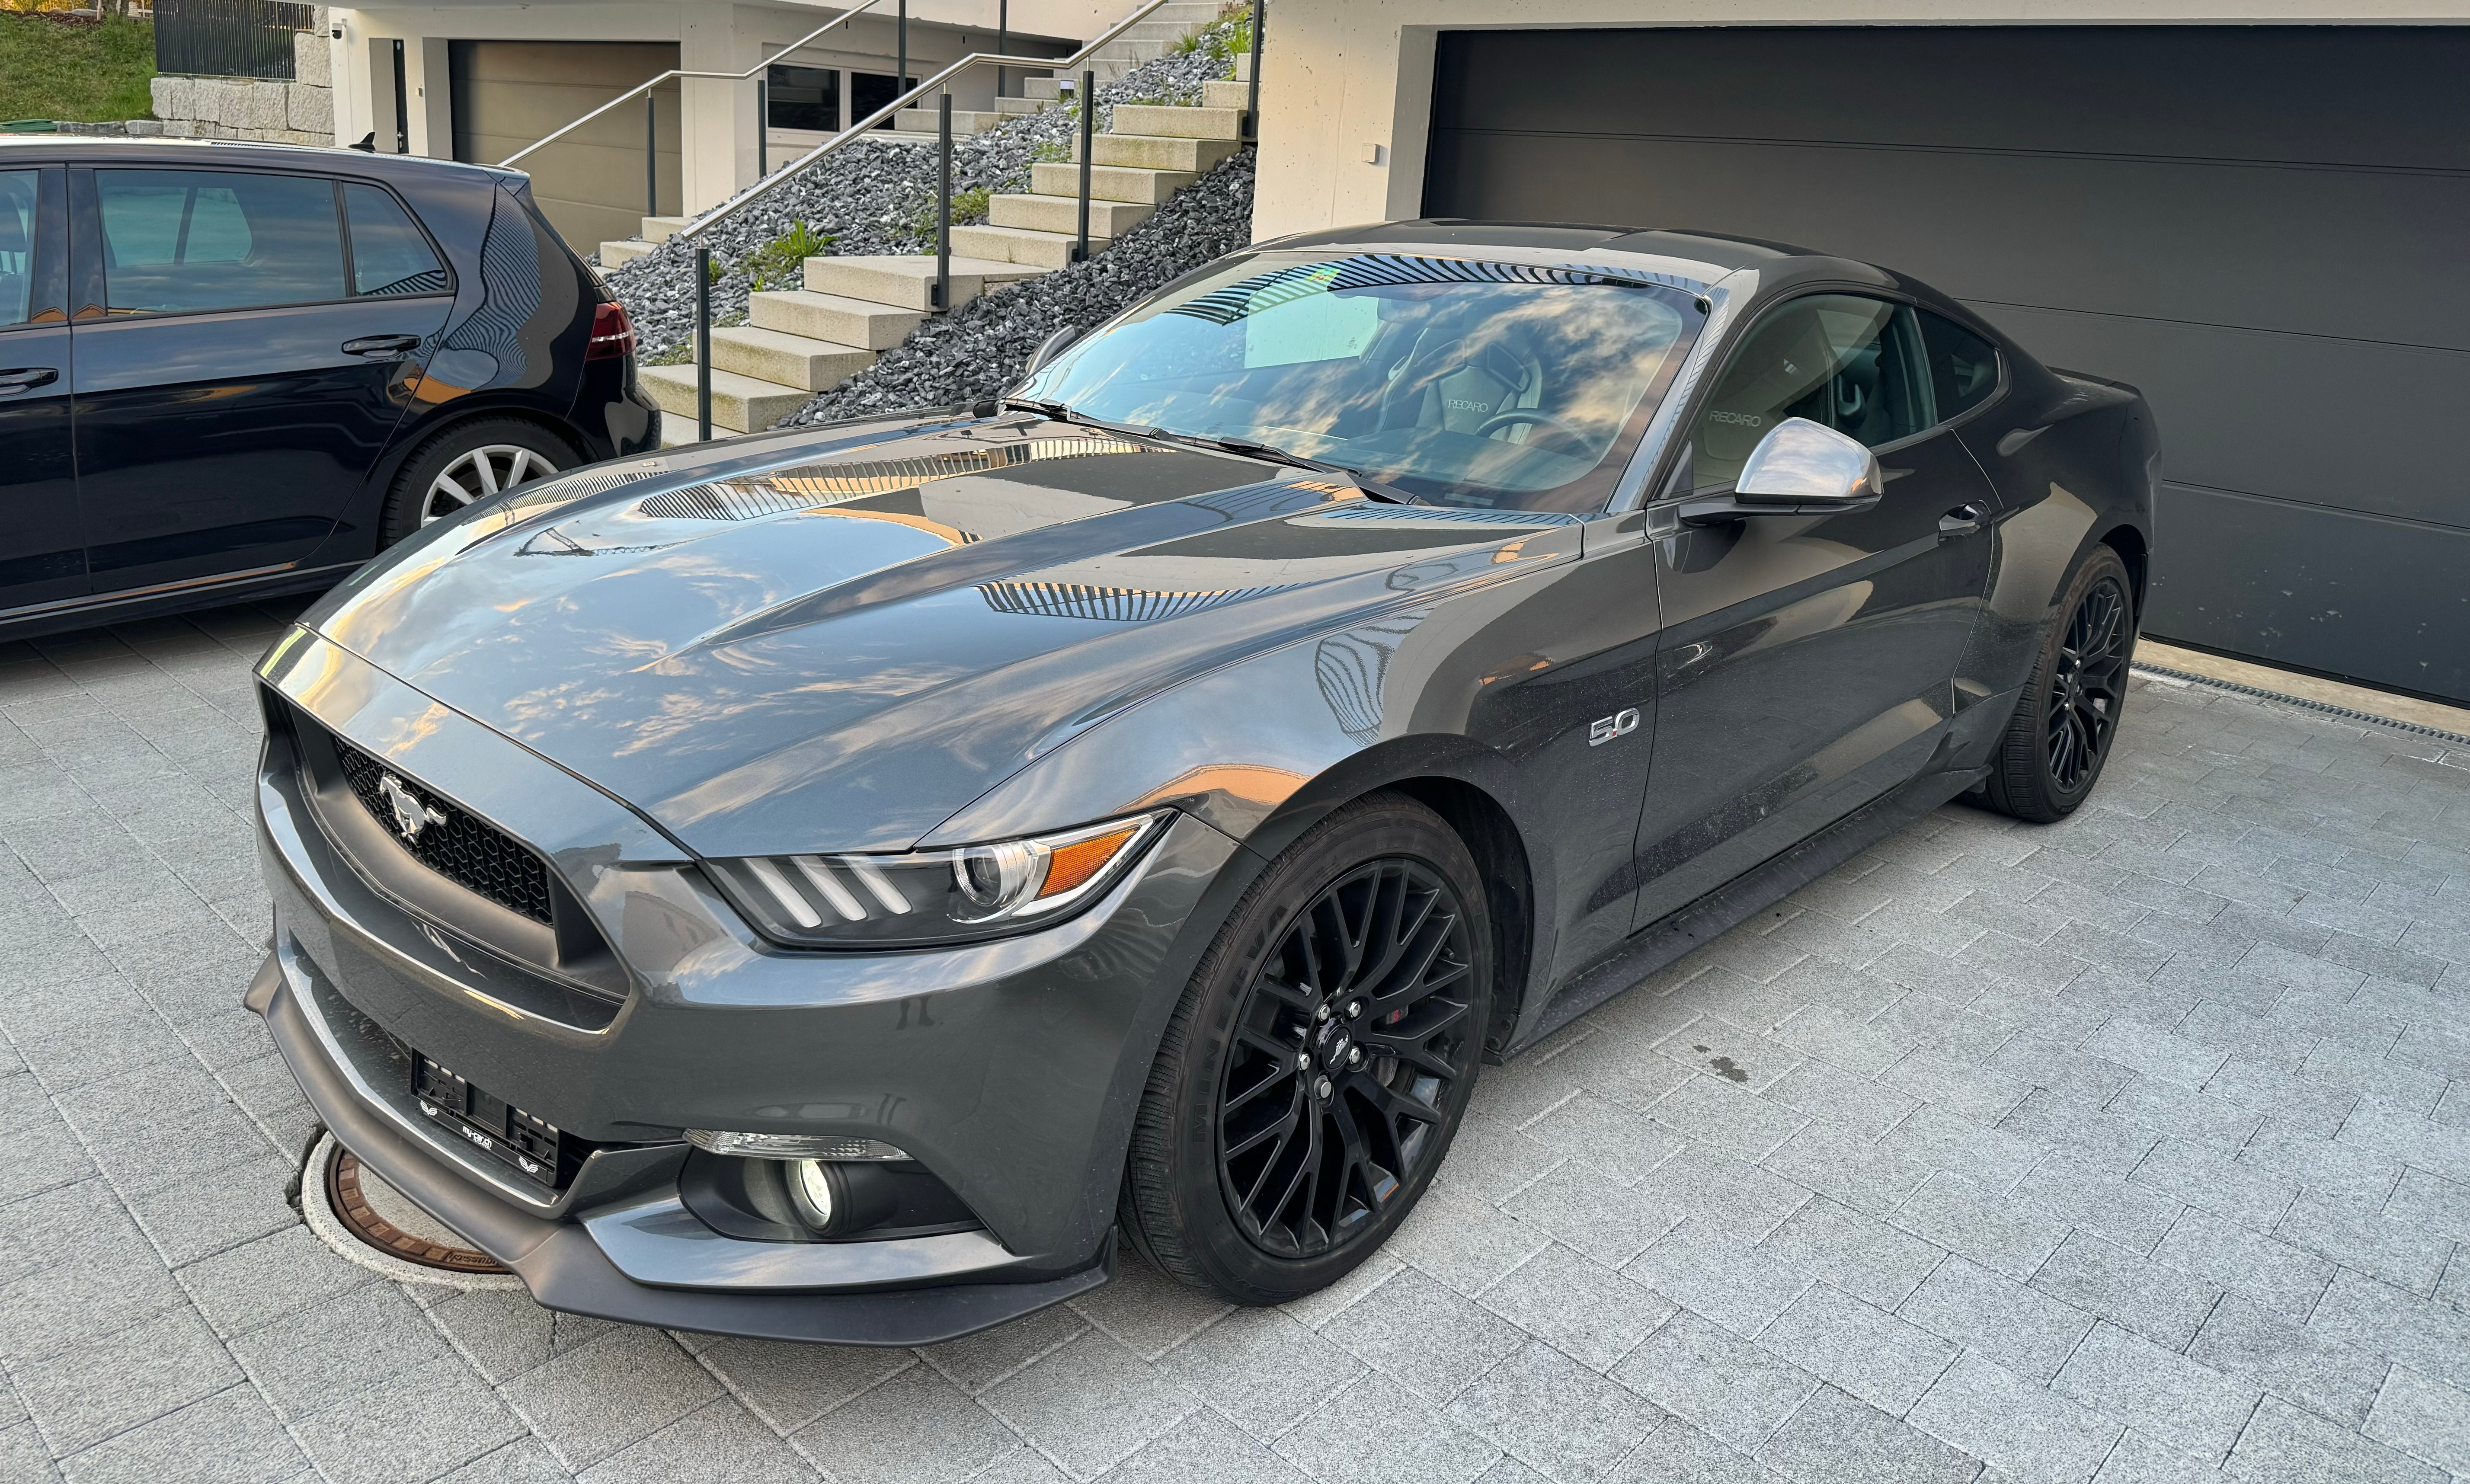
1802, 467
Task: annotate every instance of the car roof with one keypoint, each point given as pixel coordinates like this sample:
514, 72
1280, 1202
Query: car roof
1708, 256
118, 148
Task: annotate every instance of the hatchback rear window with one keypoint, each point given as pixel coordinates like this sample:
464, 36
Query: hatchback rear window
388, 254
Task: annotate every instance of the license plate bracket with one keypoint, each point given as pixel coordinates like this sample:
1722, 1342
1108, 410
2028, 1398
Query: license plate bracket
529, 1148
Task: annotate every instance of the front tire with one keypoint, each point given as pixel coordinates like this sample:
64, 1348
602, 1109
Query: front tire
1319, 1062
2067, 718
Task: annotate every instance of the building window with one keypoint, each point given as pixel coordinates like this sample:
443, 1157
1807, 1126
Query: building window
871, 90
805, 98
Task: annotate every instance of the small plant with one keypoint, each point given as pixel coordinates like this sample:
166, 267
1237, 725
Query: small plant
775, 262
1050, 152
969, 209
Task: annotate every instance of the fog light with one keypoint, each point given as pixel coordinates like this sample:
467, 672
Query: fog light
800, 1147
811, 1191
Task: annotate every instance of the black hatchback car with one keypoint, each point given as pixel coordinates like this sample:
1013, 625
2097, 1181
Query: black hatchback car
231, 370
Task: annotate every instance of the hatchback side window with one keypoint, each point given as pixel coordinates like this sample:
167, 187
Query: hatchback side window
1964, 367
16, 247
390, 257
181, 240
1842, 361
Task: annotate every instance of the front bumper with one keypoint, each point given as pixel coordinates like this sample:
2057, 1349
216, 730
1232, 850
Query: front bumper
1009, 1069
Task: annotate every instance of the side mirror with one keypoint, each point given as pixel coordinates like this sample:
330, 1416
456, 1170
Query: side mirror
1054, 345
1799, 468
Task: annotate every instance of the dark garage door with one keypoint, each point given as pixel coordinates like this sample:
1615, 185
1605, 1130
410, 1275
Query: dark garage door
2266, 228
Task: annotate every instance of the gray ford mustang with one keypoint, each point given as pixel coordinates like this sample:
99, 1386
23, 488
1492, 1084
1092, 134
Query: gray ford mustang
841, 884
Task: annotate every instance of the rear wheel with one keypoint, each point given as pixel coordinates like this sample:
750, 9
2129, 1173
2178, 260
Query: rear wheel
2067, 718
467, 463
1319, 1062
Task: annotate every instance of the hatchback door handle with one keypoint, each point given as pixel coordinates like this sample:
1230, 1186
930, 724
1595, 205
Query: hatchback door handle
381, 345
1962, 521
27, 379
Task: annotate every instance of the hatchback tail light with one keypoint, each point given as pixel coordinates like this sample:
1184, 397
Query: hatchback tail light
613, 333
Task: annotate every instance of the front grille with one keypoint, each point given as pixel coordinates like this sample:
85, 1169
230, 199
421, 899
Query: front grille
472, 854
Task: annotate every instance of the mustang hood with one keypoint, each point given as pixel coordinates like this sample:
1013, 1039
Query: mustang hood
838, 652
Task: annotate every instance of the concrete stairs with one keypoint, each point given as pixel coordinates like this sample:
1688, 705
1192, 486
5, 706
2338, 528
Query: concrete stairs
800, 342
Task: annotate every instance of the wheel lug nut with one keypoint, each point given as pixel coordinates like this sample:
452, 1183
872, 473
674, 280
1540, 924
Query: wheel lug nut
1354, 1008
1321, 1013
1355, 1055
1321, 1089
1303, 1061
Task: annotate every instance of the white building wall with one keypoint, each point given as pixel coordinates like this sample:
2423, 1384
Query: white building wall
1346, 84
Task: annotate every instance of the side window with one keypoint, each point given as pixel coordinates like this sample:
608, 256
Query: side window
176, 239
1850, 364
16, 247
1964, 367
388, 254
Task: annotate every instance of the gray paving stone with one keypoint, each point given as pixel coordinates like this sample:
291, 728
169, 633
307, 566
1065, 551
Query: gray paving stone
1727, 1047
2286, 1446
2027, 1332
1203, 1449
1608, 1222
2359, 1235
2033, 1435
437, 1418
358, 1340
720, 1442
2169, 1396
1577, 1306
2141, 1460
2007, 1233
1607, 1137
227, 1438
593, 1400
788, 1386
976, 1362
1461, 1239
106, 1386
1089, 1404
1224, 1363
1554, 1415
1679, 1453
1713, 1273
2214, 1181
2092, 1136
1848, 1100
506, 1333
2330, 1378
1861, 1254
1991, 1157
1838, 1439
1728, 1387
2432, 1340
1724, 1119
1847, 1167
1885, 1361
523, 1461
2162, 1304
1431, 1339
2430, 1202
2279, 1276
1376, 1433
23, 1458
915, 1429
2425, 1419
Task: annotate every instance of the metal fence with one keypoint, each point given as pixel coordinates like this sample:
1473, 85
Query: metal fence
228, 38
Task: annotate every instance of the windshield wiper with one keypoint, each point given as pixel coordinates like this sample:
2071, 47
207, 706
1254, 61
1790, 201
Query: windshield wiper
1376, 488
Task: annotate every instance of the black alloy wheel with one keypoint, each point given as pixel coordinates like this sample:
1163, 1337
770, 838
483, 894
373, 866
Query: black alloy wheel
2066, 722
1345, 1050
2087, 686
1319, 1062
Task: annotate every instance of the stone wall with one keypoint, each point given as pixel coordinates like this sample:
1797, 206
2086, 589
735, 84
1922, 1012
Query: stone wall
300, 111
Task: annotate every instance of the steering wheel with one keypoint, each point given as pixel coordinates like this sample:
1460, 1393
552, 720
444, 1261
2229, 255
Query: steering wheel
1544, 420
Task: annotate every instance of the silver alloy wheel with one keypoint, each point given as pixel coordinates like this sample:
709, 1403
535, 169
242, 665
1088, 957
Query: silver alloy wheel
483, 471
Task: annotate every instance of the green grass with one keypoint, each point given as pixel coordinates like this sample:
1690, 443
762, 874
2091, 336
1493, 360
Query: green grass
54, 69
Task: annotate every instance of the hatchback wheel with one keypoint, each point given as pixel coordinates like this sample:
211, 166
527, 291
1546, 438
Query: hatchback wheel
1319, 1062
468, 463
2067, 718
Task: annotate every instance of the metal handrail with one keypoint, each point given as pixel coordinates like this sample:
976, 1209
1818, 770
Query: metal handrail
859, 129
639, 89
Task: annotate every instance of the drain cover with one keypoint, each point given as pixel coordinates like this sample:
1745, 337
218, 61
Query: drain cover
377, 1226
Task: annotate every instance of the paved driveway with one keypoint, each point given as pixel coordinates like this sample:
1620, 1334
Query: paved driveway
2134, 1147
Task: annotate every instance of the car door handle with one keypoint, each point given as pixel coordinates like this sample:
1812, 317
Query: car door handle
27, 379
381, 345
1962, 521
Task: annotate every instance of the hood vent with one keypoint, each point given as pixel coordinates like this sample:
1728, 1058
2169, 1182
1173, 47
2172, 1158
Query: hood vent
809, 486
1119, 605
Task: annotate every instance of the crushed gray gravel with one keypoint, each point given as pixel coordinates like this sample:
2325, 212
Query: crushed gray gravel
878, 196
979, 349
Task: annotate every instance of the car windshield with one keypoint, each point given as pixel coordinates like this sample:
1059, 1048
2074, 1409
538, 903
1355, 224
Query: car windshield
1486, 385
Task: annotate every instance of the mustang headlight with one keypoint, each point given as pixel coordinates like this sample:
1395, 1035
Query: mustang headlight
933, 897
